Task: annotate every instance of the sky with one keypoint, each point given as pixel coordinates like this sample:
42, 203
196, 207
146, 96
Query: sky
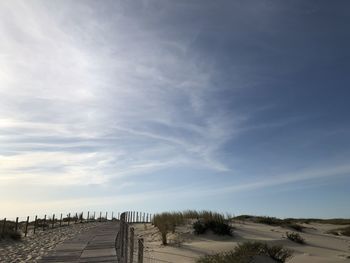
157, 105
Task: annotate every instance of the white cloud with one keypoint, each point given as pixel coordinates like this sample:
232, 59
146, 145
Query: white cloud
67, 83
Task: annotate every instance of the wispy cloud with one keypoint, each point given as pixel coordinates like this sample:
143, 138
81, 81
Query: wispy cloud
67, 85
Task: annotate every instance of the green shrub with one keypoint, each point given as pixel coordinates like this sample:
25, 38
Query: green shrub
245, 252
218, 227
295, 237
199, 228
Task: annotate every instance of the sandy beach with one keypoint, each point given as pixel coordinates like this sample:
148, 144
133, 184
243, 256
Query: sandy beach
34, 246
185, 247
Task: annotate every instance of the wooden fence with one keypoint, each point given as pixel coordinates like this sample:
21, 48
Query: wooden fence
129, 249
45, 223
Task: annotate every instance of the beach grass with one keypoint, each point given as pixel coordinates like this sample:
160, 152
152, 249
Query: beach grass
166, 222
246, 252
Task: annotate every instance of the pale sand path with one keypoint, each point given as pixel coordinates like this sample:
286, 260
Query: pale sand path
34, 247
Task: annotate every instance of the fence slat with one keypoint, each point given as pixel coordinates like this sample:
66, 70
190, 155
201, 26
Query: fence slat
131, 257
16, 226
35, 223
140, 251
44, 222
26, 229
53, 221
3, 226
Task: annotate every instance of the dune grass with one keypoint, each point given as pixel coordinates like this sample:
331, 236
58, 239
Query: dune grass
166, 222
246, 252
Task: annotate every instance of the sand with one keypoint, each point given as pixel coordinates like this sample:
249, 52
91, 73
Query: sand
34, 246
185, 247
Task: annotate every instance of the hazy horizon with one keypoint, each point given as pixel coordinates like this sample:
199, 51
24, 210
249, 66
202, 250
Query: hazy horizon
232, 106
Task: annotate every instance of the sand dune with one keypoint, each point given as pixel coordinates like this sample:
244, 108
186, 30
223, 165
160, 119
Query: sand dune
185, 247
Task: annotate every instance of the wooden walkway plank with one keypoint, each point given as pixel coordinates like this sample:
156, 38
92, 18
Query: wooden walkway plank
96, 245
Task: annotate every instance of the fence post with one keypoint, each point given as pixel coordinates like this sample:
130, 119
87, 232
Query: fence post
3, 226
106, 216
122, 232
94, 215
26, 229
16, 226
100, 216
88, 217
76, 218
131, 258
68, 219
44, 222
61, 220
137, 217
82, 217
126, 240
35, 223
140, 251
53, 221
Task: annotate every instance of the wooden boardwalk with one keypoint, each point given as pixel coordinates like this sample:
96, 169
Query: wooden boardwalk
96, 245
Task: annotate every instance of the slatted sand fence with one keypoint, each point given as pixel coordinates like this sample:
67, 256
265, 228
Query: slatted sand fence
30, 225
130, 249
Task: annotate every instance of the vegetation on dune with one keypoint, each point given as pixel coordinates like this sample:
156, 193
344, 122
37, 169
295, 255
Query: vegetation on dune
295, 237
273, 221
333, 221
9, 231
166, 222
340, 231
287, 223
217, 227
277, 221
246, 252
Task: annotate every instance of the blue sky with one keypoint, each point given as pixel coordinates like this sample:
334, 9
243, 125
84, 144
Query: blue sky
233, 106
